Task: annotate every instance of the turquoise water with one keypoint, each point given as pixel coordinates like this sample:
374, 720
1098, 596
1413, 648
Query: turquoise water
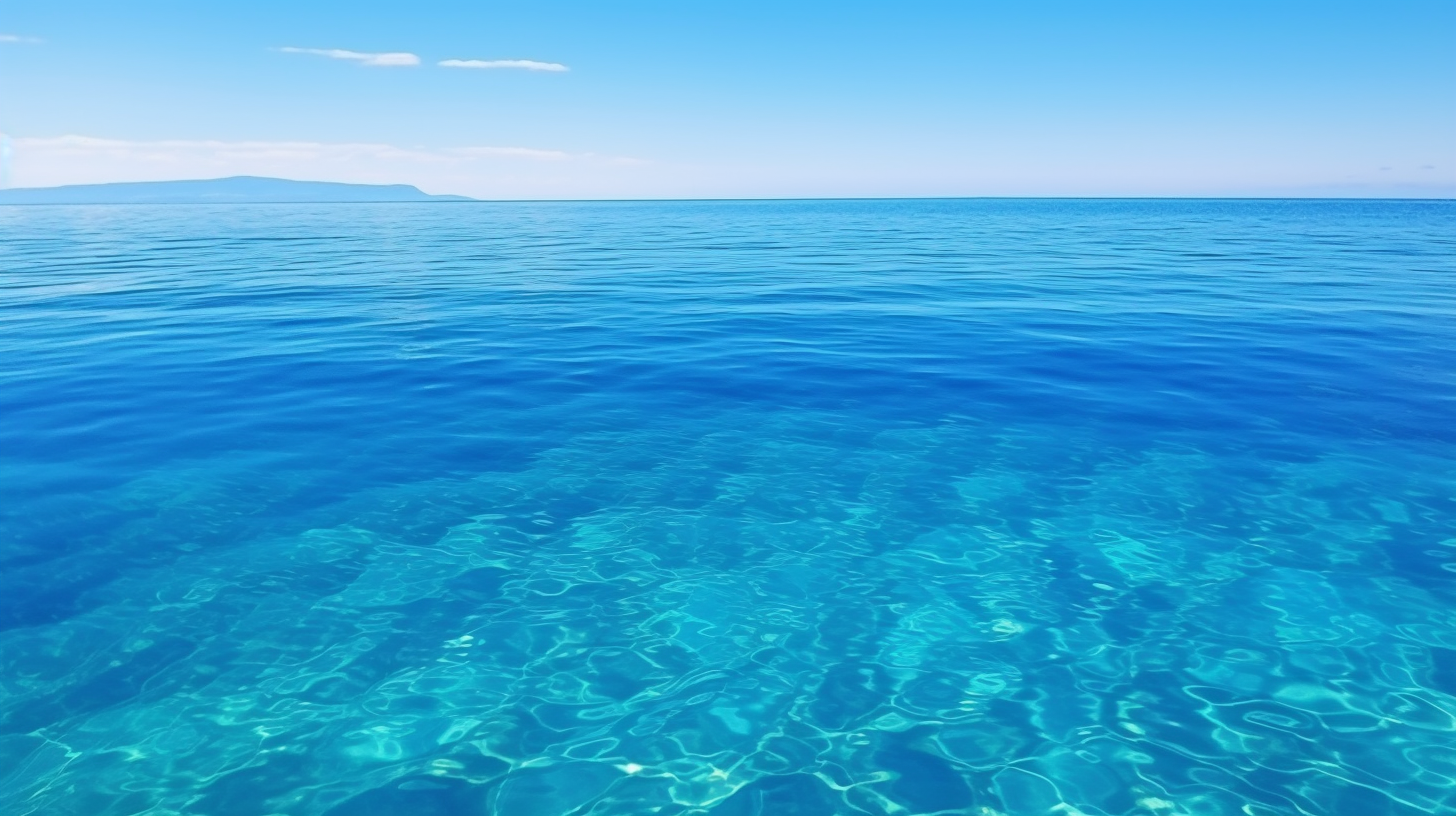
893, 507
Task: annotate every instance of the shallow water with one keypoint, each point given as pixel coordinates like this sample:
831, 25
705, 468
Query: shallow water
891, 507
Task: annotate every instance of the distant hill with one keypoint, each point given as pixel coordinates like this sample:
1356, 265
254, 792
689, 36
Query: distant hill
235, 190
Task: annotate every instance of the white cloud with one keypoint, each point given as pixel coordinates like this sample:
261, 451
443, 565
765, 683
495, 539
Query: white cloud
387, 59
16, 38
518, 152
528, 65
166, 151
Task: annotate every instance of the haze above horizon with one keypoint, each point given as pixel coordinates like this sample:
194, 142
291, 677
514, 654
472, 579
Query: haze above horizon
647, 100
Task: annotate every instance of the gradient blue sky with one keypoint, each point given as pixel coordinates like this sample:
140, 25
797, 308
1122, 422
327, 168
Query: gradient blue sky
743, 99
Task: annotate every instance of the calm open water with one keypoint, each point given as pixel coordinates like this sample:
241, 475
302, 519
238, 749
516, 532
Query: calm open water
890, 507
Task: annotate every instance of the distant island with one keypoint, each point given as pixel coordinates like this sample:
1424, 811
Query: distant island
234, 190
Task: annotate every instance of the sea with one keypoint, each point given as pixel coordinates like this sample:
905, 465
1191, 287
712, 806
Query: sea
723, 508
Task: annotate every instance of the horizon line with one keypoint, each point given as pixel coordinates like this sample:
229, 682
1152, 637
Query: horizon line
461, 199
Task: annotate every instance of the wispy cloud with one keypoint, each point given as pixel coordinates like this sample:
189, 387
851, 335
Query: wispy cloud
521, 64
389, 59
516, 152
221, 152
16, 38
218, 151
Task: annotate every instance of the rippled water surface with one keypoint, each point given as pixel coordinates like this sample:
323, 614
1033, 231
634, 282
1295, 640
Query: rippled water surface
978, 507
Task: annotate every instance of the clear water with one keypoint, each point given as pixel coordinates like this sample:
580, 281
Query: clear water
976, 507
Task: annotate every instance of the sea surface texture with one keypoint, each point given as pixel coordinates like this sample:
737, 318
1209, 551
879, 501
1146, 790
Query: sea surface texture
1037, 508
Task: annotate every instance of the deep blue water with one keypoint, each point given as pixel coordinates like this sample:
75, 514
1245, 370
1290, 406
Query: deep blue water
891, 507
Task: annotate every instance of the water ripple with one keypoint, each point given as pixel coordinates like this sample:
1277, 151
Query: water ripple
893, 507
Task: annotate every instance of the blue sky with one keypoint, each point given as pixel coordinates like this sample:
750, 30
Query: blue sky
741, 99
